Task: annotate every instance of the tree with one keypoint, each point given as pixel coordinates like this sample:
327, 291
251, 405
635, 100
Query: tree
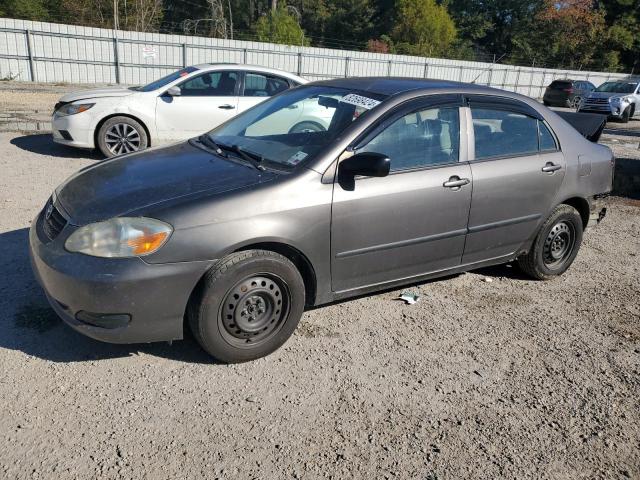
565, 33
27, 9
422, 28
279, 26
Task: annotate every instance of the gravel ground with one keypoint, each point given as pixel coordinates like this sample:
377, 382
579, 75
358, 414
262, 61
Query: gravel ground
510, 378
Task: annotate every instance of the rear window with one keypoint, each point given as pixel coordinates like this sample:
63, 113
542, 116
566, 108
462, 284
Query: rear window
560, 84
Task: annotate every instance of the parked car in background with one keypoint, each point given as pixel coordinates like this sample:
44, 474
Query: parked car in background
183, 104
567, 93
619, 99
244, 227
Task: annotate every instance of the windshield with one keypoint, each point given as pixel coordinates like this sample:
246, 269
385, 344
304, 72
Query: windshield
294, 126
617, 87
161, 82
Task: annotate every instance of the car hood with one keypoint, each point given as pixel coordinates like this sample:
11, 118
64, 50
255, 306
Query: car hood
607, 94
122, 185
97, 93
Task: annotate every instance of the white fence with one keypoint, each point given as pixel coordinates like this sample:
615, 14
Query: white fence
49, 52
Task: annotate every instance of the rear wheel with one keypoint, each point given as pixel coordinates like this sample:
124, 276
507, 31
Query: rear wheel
555, 246
120, 135
575, 102
247, 306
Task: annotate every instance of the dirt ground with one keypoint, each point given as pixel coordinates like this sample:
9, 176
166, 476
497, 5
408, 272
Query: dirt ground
508, 378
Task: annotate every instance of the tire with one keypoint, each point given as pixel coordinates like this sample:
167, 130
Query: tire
247, 306
118, 128
307, 126
555, 246
626, 115
575, 102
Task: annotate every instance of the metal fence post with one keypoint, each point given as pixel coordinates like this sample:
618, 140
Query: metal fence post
346, 67
245, 57
116, 59
184, 55
490, 77
32, 70
389, 68
515, 87
426, 70
299, 63
460, 77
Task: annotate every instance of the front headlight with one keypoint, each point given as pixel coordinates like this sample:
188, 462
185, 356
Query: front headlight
120, 237
73, 108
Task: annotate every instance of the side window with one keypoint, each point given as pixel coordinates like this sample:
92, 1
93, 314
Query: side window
259, 85
500, 133
211, 84
420, 139
547, 142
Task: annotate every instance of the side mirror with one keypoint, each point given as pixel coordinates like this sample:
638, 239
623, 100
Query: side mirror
367, 164
174, 91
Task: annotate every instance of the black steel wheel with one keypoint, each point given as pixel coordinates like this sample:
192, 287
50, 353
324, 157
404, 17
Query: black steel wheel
555, 246
254, 310
559, 244
247, 305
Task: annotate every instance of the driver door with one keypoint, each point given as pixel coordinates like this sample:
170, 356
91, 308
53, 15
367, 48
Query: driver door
412, 221
205, 101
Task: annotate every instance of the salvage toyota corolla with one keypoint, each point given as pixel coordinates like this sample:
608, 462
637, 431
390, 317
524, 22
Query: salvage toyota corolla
237, 231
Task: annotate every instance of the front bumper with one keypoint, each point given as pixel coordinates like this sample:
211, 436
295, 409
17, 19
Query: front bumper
611, 110
78, 127
132, 300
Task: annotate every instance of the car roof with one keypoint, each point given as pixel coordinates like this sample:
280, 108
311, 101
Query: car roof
394, 85
251, 68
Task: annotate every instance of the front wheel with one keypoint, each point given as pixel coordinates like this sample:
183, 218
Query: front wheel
555, 246
247, 306
120, 135
626, 115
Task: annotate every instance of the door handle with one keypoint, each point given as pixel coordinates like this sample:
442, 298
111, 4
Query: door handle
455, 182
551, 167
227, 107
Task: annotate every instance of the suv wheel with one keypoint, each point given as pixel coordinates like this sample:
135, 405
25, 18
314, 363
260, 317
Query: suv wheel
555, 246
120, 135
626, 115
247, 306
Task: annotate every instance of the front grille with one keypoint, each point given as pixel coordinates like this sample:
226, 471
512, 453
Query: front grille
597, 101
52, 221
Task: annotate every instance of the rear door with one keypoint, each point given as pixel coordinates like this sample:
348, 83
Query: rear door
206, 101
409, 222
517, 171
257, 87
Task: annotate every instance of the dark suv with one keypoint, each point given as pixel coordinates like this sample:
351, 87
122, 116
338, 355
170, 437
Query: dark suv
567, 93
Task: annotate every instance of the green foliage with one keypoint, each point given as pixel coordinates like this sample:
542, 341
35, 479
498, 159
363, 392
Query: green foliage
27, 9
423, 28
280, 26
587, 34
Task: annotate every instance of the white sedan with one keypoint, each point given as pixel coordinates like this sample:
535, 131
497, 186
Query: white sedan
181, 105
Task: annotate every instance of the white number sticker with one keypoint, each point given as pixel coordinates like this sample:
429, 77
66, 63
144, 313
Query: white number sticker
360, 101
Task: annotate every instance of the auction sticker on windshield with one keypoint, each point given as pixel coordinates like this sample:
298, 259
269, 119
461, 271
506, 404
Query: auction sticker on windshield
360, 101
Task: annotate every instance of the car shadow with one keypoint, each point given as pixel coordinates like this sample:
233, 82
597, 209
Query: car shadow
610, 129
29, 325
504, 270
43, 144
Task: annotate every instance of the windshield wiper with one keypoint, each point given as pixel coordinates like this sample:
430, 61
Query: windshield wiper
206, 140
253, 158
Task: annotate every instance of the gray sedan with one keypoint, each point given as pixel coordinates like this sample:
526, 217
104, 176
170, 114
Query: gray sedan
237, 231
